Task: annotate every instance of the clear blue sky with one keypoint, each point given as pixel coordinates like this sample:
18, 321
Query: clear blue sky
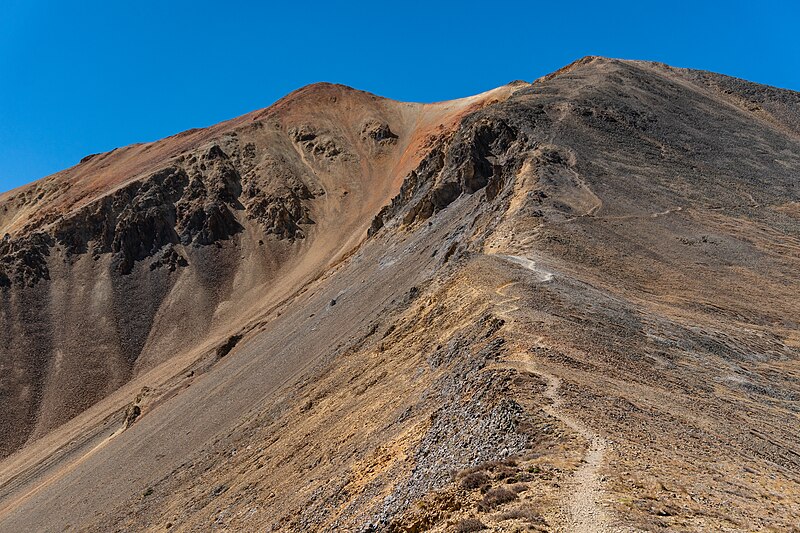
85, 77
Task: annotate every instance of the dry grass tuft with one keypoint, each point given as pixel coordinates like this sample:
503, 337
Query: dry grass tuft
496, 497
469, 524
474, 480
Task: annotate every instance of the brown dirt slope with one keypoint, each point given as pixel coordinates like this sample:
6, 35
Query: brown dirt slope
560, 306
117, 265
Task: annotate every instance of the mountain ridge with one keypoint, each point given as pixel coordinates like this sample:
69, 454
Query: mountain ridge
561, 306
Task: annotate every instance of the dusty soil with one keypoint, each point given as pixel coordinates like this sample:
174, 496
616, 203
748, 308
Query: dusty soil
559, 306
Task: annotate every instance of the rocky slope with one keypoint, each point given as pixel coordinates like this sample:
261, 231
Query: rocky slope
559, 306
166, 246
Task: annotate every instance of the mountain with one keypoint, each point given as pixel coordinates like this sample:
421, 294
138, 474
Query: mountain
566, 305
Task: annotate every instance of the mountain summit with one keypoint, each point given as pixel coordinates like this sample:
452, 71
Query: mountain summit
566, 305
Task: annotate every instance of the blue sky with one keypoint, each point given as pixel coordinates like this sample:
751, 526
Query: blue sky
85, 77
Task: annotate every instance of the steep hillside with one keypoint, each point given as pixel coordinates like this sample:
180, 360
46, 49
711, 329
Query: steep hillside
560, 306
132, 257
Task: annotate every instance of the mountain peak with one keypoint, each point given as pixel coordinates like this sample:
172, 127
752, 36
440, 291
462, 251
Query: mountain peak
344, 312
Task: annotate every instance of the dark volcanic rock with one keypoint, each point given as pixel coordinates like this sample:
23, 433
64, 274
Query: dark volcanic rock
193, 202
477, 156
23, 261
169, 258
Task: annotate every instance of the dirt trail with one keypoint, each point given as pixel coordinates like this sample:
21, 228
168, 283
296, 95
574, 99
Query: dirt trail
584, 514
581, 508
543, 275
593, 214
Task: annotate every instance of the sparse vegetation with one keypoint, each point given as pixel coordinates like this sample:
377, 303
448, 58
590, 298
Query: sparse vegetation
496, 497
372, 375
522, 513
516, 488
469, 524
474, 480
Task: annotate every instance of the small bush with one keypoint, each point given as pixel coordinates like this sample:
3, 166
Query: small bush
469, 524
474, 480
528, 515
504, 471
495, 469
495, 497
516, 488
524, 476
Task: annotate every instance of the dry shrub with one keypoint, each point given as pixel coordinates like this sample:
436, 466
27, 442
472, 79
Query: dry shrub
504, 471
490, 466
474, 480
524, 513
516, 488
495, 497
469, 524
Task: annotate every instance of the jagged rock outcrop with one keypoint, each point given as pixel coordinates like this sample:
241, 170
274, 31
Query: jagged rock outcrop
479, 155
321, 145
192, 202
378, 132
23, 261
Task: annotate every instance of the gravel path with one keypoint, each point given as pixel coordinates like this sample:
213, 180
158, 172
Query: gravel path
581, 507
